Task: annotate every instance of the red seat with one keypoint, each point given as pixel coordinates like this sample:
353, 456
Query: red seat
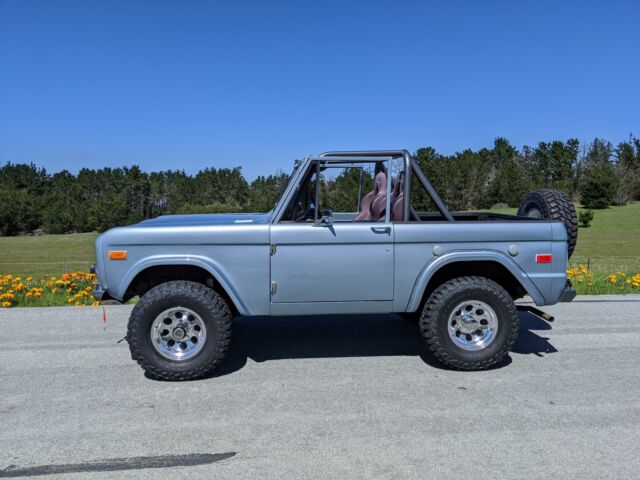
373, 203
397, 203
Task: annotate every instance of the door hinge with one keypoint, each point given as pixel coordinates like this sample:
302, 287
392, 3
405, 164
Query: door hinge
274, 288
272, 250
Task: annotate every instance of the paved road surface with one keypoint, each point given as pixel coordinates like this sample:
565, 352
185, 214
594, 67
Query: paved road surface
338, 397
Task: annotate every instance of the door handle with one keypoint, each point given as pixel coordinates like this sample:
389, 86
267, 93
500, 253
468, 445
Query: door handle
386, 230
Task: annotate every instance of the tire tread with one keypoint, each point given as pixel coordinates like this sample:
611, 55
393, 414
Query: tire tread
557, 206
201, 293
433, 310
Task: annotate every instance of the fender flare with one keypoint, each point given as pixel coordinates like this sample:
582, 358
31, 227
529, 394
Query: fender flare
205, 263
456, 256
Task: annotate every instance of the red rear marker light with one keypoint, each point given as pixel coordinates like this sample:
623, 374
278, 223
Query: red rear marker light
544, 258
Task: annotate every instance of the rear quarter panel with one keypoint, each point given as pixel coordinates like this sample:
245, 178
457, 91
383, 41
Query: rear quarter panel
415, 260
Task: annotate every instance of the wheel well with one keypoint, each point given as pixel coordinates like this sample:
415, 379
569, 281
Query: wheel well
488, 269
154, 276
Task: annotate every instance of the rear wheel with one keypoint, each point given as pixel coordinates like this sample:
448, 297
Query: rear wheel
555, 205
179, 330
469, 323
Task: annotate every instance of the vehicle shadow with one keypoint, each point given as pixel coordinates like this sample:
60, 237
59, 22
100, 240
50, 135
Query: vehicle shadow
275, 338
530, 343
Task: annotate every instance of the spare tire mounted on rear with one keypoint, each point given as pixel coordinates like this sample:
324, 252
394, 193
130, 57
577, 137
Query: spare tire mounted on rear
553, 205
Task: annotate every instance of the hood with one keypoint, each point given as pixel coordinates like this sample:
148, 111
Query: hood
206, 219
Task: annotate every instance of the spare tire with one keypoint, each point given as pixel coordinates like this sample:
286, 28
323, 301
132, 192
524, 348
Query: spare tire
554, 205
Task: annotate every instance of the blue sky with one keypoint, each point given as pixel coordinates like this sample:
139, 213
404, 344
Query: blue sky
190, 84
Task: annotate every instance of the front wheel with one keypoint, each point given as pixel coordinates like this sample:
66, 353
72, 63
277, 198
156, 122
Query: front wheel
469, 323
179, 330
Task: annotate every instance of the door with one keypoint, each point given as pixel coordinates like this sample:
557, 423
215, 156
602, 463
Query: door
342, 263
341, 251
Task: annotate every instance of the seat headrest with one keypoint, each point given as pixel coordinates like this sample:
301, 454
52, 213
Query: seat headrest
380, 183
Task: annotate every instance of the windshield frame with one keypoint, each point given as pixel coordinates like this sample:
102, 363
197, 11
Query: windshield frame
286, 191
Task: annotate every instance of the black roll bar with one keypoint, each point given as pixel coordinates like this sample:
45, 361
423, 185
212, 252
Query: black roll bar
410, 165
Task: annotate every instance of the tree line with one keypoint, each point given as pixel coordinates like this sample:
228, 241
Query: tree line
597, 174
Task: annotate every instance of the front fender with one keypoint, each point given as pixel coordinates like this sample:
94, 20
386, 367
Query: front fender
194, 260
469, 256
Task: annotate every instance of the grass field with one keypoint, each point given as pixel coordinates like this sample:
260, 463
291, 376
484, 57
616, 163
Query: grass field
609, 248
613, 240
46, 254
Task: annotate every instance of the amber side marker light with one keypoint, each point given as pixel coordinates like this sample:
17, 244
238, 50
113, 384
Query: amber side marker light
117, 254
544, 258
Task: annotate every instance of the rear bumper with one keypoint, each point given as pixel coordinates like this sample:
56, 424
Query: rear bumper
568, 294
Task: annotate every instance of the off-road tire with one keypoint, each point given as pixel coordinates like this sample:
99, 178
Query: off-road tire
214, 312
555, 205
435, 318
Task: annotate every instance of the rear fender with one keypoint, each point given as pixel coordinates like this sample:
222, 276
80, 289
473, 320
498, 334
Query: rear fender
469, 256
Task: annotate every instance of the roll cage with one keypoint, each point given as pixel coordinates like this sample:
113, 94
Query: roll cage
336, 157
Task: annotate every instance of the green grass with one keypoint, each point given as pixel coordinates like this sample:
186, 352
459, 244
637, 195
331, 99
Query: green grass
46, 254
612, 242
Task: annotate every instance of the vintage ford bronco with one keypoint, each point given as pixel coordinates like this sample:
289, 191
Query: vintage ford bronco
353, 233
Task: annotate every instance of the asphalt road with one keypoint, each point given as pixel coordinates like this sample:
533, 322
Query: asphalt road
337, 397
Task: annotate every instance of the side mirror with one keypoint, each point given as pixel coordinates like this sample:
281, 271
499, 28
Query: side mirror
326, 220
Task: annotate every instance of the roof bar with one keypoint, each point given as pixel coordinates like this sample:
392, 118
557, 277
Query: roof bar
410, 165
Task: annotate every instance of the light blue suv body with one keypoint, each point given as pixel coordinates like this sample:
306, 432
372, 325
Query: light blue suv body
266, 264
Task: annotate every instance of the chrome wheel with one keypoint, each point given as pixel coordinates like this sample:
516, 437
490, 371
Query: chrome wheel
178, 333
473, 325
